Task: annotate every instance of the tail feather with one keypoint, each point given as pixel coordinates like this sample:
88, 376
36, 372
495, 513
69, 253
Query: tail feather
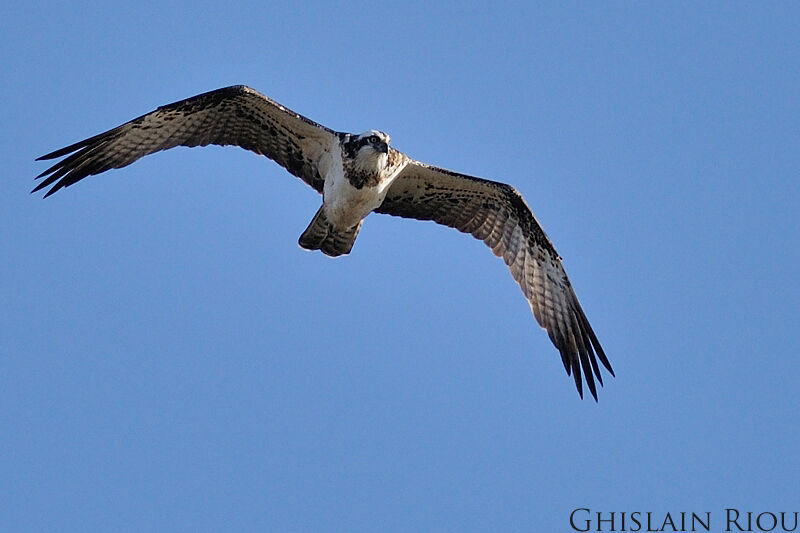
321, 235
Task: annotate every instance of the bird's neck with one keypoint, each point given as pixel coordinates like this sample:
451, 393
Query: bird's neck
370, 161
365, 171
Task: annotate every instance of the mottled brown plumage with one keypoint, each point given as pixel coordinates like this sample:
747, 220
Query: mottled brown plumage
237, 115
358, 174
498, 215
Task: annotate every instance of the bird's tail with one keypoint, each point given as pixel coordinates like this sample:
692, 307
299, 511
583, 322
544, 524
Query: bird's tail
321, 235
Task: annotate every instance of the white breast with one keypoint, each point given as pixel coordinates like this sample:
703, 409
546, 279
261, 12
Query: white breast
345, 206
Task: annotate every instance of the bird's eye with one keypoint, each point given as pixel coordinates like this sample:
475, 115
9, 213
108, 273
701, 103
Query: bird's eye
374, 139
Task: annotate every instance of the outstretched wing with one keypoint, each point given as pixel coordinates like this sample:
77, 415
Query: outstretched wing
235, 115
498, 215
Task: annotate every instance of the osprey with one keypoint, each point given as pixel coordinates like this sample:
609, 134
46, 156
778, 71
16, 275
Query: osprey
356, 175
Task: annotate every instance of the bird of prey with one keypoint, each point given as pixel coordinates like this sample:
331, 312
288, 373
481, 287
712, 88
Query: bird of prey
356, 175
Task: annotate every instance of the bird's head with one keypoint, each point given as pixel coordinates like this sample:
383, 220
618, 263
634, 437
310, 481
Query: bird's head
372, 141
369, 150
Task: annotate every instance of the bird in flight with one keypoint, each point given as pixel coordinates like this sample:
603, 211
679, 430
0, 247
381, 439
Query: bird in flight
356, 175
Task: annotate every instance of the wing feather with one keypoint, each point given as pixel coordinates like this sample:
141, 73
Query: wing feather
498, 215
236, 115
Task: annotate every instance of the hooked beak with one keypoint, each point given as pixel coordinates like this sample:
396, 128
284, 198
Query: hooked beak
382, 148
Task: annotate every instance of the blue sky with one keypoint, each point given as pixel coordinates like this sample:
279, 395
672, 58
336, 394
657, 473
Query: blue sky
171, 360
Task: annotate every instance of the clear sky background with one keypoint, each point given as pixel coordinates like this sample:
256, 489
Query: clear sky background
171, 360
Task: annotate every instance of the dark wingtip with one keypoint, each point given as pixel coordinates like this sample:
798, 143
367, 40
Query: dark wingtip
576, 375
592, 388
51, 191
71, 148
55, 154
47, 181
